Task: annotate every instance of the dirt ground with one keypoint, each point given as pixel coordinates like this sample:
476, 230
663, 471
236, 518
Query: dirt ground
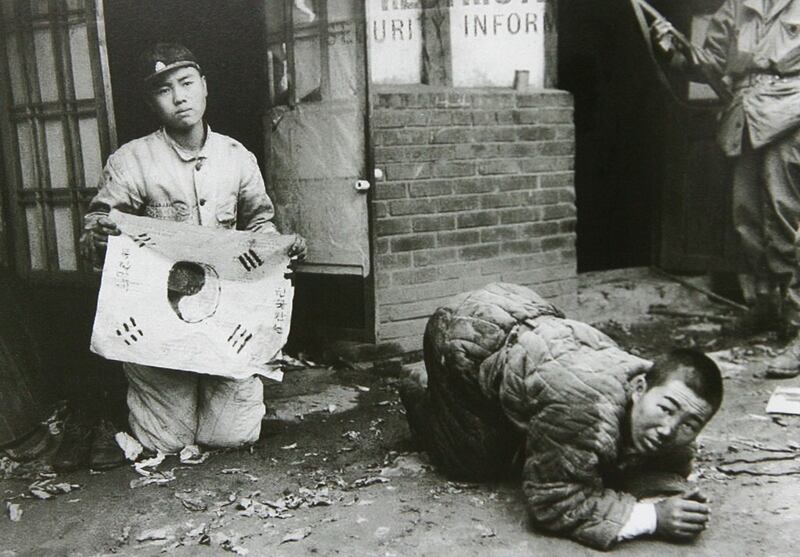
336, 472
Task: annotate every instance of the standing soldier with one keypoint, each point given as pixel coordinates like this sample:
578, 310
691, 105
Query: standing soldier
755, 45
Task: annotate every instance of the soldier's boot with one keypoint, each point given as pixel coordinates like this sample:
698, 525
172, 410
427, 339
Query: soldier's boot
763, 316
786, 363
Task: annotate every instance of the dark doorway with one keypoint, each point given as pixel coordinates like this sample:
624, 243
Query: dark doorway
620, 118
227, 37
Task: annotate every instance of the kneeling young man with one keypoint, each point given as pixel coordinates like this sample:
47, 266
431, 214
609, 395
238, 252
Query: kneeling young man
184, 172
511, 382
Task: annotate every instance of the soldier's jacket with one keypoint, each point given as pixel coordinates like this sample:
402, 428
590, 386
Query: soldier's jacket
507, 372
758, 48
220, 186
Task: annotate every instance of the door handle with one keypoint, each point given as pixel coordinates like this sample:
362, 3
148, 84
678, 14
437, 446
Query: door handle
362, 186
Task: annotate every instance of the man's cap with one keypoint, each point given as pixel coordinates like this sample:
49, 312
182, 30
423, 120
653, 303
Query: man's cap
164, 57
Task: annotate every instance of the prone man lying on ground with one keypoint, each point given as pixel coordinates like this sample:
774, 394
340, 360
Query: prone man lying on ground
509, 379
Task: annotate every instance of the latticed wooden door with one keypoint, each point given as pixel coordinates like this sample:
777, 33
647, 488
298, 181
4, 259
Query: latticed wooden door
56, 124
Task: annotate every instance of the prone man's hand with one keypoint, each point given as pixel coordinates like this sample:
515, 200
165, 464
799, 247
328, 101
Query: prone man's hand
682, 517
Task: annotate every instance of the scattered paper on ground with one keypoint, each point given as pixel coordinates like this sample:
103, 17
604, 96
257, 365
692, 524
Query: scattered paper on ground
191, 454
784, 400
731, 363
130, 446
47, 489
296, 535
154, 534
143, 466
405, 465
194, 298
191, 502
14, 512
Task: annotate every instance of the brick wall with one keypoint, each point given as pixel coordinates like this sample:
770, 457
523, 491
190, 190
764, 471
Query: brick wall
478, 186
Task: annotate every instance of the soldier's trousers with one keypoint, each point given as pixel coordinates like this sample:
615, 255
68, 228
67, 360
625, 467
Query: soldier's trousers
766, 215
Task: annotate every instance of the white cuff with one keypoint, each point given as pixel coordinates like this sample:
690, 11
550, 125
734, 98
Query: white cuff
642, 521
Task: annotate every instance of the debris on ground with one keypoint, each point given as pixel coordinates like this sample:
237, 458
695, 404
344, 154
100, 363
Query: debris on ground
8, 467
14, 512
155, 534
157, 477
351, 435
758, 459
241, 471
191, 502
31, 471
124, 536
288, 363
411, 464
666, 311
46, 489
296, 535
732, 362
368, 481
485, 531
784, 400
142, 467
198, 532
228, 542
191, 454
452, 488
766, 466
147, 469
129, 445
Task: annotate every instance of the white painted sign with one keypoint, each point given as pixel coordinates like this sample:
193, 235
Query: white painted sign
491, 40
394, 39
194, 298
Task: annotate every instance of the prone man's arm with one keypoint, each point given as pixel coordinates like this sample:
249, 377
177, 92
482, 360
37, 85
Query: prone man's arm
564, 487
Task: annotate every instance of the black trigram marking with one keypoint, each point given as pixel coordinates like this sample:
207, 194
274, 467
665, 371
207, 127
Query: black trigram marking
130, 331
143, 240
250, 260
239, 338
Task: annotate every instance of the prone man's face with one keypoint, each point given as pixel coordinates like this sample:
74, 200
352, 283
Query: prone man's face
669, 415
178, 98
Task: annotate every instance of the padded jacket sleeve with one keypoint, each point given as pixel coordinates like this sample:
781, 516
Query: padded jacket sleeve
566, 384
563, 480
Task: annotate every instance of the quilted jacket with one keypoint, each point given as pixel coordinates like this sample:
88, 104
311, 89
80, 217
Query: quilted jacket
507, 372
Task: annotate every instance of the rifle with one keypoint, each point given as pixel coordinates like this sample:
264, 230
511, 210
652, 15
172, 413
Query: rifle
697, 54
